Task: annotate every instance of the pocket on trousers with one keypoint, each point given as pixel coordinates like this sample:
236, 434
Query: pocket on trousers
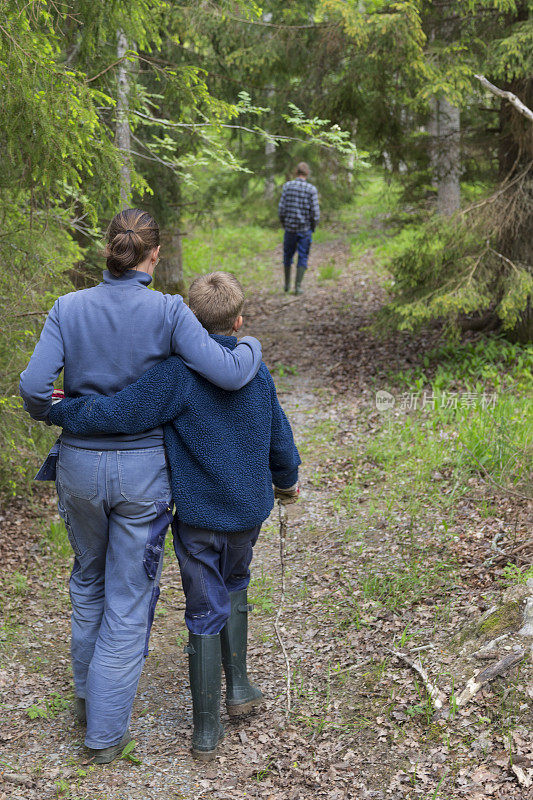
241, 558
77, 471
143, 475
156, 539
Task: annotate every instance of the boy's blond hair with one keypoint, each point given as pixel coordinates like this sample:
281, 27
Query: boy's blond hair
217, 299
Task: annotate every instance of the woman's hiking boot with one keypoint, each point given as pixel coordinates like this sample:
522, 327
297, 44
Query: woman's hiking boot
108, 754
241, 696
300, 272
205, 675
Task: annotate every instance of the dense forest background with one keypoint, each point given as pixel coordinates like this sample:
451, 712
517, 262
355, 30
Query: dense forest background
199, 110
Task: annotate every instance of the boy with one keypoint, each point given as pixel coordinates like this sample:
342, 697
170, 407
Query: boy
225, 450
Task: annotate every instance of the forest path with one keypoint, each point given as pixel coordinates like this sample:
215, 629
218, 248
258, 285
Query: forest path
360, 578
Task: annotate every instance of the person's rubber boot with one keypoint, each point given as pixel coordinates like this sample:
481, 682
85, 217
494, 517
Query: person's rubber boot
241, 696
79, 710
300, 272
108, 754
205, 676
287, 271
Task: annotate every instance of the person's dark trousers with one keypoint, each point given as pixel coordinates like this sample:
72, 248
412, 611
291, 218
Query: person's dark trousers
212, 564
296, 242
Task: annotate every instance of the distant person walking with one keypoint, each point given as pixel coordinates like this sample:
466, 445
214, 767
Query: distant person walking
299, 214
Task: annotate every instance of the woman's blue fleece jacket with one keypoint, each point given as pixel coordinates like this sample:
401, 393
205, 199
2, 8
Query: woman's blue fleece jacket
224, 449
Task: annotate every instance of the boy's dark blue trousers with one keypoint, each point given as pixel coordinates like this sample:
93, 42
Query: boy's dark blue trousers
212, 564
293, 242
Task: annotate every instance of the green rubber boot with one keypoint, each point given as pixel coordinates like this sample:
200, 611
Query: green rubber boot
300, 272
108, 754
287, 271
241, 696
205, 676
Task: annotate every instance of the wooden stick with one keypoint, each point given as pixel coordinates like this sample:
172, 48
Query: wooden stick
512, 98
437, 697
282, 535
476, 683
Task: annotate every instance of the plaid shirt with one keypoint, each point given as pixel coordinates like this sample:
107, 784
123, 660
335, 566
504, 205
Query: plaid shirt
298, 208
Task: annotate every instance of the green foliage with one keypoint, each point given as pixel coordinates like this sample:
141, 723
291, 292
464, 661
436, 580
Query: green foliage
56, 536
53, 706
51, 133
512, 575
465, 422
402, 58
262, 592
511, 58
493, 361
19, 584
35, 262
450, 268
498, 440
328, 272
267, 51
401, 587
239, 249
128, 754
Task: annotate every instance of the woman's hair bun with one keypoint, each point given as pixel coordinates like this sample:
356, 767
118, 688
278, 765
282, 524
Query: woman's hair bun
131, 235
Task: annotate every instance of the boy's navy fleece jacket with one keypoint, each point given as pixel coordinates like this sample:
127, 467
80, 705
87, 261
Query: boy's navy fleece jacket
225, 449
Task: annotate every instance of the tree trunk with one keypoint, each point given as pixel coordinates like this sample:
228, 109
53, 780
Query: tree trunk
433, 131
445, 156
122, 133
169, 274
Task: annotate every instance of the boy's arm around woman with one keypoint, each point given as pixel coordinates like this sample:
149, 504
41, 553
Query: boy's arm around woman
158, 397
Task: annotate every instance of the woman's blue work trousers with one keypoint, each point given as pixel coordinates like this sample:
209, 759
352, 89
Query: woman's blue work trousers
116, 505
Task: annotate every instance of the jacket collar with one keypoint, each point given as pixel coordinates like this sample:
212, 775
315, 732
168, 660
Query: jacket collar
226, 341
130, 277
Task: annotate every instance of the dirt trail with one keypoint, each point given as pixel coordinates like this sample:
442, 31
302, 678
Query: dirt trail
353, 732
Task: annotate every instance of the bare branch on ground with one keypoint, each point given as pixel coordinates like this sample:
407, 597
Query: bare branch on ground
437, 697
495, 670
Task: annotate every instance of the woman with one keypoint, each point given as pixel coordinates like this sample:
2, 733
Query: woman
114, 492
